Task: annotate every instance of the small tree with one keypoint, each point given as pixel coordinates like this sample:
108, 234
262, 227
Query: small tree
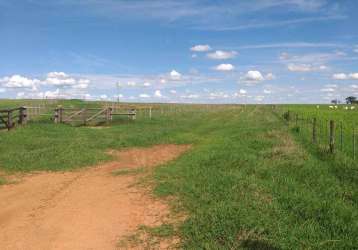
351, 99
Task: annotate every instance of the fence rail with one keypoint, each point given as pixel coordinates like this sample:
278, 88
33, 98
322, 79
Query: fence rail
9, 118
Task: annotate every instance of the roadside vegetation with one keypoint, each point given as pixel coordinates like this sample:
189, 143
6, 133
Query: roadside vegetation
249, 181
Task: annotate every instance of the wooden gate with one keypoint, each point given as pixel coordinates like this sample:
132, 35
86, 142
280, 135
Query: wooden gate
9, 118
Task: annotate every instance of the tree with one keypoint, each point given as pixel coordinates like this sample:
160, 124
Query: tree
335, 101
351, 99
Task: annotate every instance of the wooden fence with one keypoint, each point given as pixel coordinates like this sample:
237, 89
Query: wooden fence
87, 116
9, 118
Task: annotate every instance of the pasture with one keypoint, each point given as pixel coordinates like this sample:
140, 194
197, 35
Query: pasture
250, 180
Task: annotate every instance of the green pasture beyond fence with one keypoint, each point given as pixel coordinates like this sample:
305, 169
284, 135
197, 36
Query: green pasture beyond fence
330, 135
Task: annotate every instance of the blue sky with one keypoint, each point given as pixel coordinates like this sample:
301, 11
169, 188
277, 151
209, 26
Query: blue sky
257, 51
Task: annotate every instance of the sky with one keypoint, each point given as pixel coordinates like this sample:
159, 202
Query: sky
188, 51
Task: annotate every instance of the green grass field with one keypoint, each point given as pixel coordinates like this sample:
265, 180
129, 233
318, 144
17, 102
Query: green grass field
249, 181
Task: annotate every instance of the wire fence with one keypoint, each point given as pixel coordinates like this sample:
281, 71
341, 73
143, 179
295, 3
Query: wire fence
330, 135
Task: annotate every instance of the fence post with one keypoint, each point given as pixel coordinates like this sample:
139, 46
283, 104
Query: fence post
354, 143
150, 113
9, 119
23, 116
314, 130
331, 136
341, 136
296, 120
84, 117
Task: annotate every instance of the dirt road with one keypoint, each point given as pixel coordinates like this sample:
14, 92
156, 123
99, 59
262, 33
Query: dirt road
86, 209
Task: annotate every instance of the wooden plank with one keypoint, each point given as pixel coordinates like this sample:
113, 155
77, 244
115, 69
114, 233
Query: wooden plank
73, 115
96, 115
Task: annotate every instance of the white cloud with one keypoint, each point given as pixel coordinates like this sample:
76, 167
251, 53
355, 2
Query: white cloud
18, 81
222, 55
2, 90
175, 75
200, 48
259, 98
270, 76
157, 93
61, 79
173, 91
253, 76
242, 91
353, 76
56, 74
300, 67
343, 76
340, 76
225, 67
147, 84
144, 96
267, 91
131, 83
103, 97
328, 90
52, 94
190, 96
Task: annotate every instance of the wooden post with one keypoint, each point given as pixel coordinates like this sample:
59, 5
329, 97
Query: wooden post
354, 143
61, 111
341, 136
23, 116
9, 120
84, 117
107, 115
314, 130
56, 116
135, 114
331, 136
150, 113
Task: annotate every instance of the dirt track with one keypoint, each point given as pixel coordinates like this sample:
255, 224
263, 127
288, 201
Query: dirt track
86, 209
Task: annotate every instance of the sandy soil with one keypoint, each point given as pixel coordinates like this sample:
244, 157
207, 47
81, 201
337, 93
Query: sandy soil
86, 209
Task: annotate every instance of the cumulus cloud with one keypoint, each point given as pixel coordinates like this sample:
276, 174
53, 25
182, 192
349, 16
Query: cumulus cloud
157, 93
222, 55
267, 91
131, 83
270, 76
340, 76
144, 96
175, 75
242, 91
190, 96
353, 76
18, 81
327, 89
305, 67
200, 48
61, 79
253, 76
225, 67
344, 76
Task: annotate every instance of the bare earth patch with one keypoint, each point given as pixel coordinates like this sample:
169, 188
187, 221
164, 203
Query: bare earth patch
86, 209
